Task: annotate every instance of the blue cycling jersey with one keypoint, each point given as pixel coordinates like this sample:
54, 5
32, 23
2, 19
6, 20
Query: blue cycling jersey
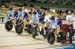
55, 22
20, 14
11, 14
36, 17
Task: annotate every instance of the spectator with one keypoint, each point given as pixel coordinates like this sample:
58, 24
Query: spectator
4, 2
73, 30
69, 17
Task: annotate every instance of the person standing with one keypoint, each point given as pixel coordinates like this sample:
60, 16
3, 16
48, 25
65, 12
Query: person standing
69, 17
4, 2
71, 34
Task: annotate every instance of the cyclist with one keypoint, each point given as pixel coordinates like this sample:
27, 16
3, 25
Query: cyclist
11, 13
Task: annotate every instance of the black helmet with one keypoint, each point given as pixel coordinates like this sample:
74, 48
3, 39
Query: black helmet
20, 9
52, 18
24, 4
10, 8
34, 12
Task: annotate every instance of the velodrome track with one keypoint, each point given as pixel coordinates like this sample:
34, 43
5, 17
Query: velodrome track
10, 40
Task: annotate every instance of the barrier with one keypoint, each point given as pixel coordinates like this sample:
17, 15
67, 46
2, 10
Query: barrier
68, 47
2, 19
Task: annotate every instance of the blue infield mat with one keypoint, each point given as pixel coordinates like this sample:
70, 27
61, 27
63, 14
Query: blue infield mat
67, 47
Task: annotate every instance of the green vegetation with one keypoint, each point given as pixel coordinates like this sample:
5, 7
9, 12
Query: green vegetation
2, 14
50, 3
